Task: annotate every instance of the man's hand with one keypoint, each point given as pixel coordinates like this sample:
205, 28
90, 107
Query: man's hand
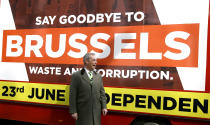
74, 116
104, 111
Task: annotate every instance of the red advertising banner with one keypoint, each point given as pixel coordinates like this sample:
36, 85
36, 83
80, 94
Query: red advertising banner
154, 45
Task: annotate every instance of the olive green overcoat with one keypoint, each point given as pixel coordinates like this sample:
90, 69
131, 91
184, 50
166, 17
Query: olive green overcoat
86, 98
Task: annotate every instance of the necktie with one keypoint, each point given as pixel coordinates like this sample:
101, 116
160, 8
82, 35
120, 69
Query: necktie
91, 77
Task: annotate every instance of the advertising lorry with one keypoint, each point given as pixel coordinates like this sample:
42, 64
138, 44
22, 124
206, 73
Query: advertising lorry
151, 54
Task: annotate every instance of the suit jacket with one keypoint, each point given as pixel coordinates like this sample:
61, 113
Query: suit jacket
86, 98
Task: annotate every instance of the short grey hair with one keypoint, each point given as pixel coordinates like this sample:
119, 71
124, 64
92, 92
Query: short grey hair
87, 56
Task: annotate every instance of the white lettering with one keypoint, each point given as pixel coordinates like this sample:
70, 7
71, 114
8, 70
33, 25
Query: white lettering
144, 54
118, 46
80, 46
35, 48
184, 48
62, 44
95, 43
11, 45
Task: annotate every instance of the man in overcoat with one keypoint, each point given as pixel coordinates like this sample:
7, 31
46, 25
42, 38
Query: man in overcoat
87, 95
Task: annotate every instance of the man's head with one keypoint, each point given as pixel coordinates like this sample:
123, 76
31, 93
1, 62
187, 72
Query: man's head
90, 61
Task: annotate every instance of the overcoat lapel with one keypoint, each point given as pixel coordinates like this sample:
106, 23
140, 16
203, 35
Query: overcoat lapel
94, 76
85, 76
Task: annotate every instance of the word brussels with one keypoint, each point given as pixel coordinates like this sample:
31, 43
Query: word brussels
73, 43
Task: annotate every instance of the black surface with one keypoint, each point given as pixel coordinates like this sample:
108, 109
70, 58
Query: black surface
13, 122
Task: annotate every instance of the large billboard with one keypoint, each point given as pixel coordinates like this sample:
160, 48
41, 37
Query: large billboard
140, 44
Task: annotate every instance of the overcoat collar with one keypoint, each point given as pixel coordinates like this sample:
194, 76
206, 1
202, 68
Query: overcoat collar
83, 71
85, 75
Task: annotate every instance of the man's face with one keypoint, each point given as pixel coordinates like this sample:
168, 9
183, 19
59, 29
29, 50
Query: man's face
91, 63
